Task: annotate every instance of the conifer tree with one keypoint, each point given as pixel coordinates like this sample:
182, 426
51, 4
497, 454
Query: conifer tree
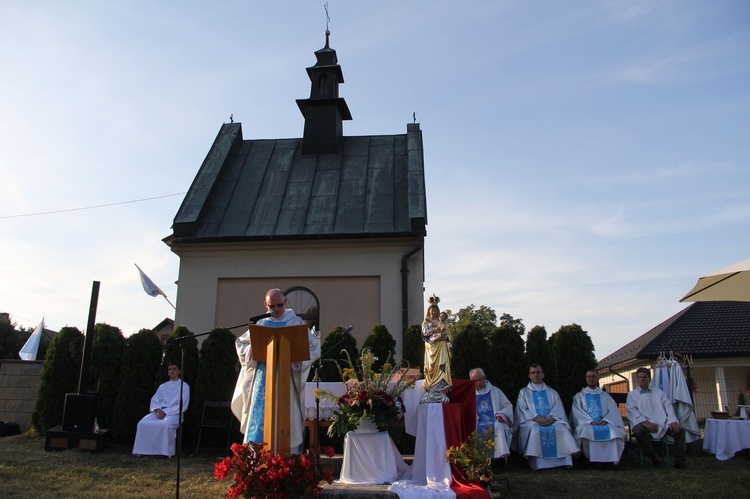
574, 354
506, 368
60, 373
331, 349
108, 349
140, 365
382, 345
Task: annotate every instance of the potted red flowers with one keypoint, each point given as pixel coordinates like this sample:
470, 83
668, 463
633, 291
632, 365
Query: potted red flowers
259, 473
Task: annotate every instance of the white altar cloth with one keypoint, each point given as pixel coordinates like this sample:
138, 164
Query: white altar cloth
726, 437
371, 458
430, 474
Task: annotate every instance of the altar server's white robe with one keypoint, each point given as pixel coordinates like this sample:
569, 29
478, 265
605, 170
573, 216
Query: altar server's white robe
603, 443
154, 436
535, 441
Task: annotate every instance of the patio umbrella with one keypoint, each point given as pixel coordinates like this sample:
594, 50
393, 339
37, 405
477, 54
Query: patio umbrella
728, 284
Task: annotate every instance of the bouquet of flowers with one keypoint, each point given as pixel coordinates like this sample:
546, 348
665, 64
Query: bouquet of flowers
259, 473
473, 457
368, 395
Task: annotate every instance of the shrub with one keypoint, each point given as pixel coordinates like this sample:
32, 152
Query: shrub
381, 344
62, 367
106, 368
141, 358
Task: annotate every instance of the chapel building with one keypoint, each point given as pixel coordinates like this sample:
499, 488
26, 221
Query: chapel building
337, 223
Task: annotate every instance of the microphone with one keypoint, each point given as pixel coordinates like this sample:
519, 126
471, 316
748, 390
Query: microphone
256, 318
349, 330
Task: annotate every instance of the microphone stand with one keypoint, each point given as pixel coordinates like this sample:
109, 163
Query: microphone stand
318, 363
180, 340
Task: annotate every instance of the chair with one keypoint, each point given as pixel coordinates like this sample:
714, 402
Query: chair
664, 448
215, 415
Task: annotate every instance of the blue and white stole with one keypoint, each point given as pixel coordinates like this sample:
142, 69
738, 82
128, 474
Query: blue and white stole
254, 431
547, 434
594, 410
485, 414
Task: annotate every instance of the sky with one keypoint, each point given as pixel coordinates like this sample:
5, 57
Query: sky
585, 161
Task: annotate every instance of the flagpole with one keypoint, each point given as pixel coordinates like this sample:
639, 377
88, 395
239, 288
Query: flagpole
165, 297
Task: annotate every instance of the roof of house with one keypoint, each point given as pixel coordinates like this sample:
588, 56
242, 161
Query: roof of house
265, 189
323, 185
703, 329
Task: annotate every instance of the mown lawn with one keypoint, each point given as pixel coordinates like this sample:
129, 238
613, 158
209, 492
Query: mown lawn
26, 470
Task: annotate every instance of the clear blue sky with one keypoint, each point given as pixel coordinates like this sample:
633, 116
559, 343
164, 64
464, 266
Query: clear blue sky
586, 161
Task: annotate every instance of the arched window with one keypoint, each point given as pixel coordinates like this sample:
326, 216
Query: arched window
306, 305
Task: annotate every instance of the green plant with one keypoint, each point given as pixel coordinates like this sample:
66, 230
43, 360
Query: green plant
258, 472
62, 366
473, 457
367, 395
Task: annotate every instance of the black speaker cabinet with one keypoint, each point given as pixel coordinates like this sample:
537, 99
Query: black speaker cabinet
79, 412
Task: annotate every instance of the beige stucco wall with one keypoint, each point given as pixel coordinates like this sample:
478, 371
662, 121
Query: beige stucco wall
19, 387
358, 282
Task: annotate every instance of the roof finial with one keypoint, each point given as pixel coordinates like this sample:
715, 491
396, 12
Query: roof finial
328, 20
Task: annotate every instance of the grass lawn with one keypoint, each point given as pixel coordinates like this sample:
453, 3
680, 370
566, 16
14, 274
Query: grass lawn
26, 470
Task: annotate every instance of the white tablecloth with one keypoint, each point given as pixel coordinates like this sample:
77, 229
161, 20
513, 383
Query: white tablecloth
430, 473
725, 437
371, 458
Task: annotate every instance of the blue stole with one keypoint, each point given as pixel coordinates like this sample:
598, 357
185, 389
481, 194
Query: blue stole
547, 434
485, 414
254, 430
594, 410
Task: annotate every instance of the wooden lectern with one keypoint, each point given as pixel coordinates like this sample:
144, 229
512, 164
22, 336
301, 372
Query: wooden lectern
278, 347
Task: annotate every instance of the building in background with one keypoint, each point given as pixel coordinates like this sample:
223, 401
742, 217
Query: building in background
712, 341
338, 223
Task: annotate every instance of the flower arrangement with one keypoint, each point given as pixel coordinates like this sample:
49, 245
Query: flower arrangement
259, 473
367, 395
473, 457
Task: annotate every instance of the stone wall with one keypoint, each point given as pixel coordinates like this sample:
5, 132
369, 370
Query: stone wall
19, 387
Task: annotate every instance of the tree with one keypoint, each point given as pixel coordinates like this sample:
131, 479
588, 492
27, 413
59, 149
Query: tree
507, 368
574, 354
60, 373
539, 351
483, 318
106, 364
468, 350
331, 349
413, 350
218, 368
173, 353
12, 339
140, 365
382, 345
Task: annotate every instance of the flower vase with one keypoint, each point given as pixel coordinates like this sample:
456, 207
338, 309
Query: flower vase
366, 425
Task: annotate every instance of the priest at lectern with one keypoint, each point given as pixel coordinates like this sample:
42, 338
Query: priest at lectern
248, 401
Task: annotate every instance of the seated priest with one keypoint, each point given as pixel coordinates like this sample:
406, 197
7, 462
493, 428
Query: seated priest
157, 430
541, 430
598, 423
494, 412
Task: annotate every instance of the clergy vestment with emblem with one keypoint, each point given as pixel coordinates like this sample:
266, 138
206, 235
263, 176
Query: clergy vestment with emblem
491, 403
599, 443
543, 446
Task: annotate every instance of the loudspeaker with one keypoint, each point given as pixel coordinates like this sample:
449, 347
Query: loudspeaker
79, 412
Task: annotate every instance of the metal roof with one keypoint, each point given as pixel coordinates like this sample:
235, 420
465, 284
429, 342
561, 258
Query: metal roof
267, 189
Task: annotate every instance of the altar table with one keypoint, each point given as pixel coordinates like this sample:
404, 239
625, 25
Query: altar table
725, 437
371, 458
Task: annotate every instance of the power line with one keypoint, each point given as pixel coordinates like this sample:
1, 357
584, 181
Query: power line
91, 207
